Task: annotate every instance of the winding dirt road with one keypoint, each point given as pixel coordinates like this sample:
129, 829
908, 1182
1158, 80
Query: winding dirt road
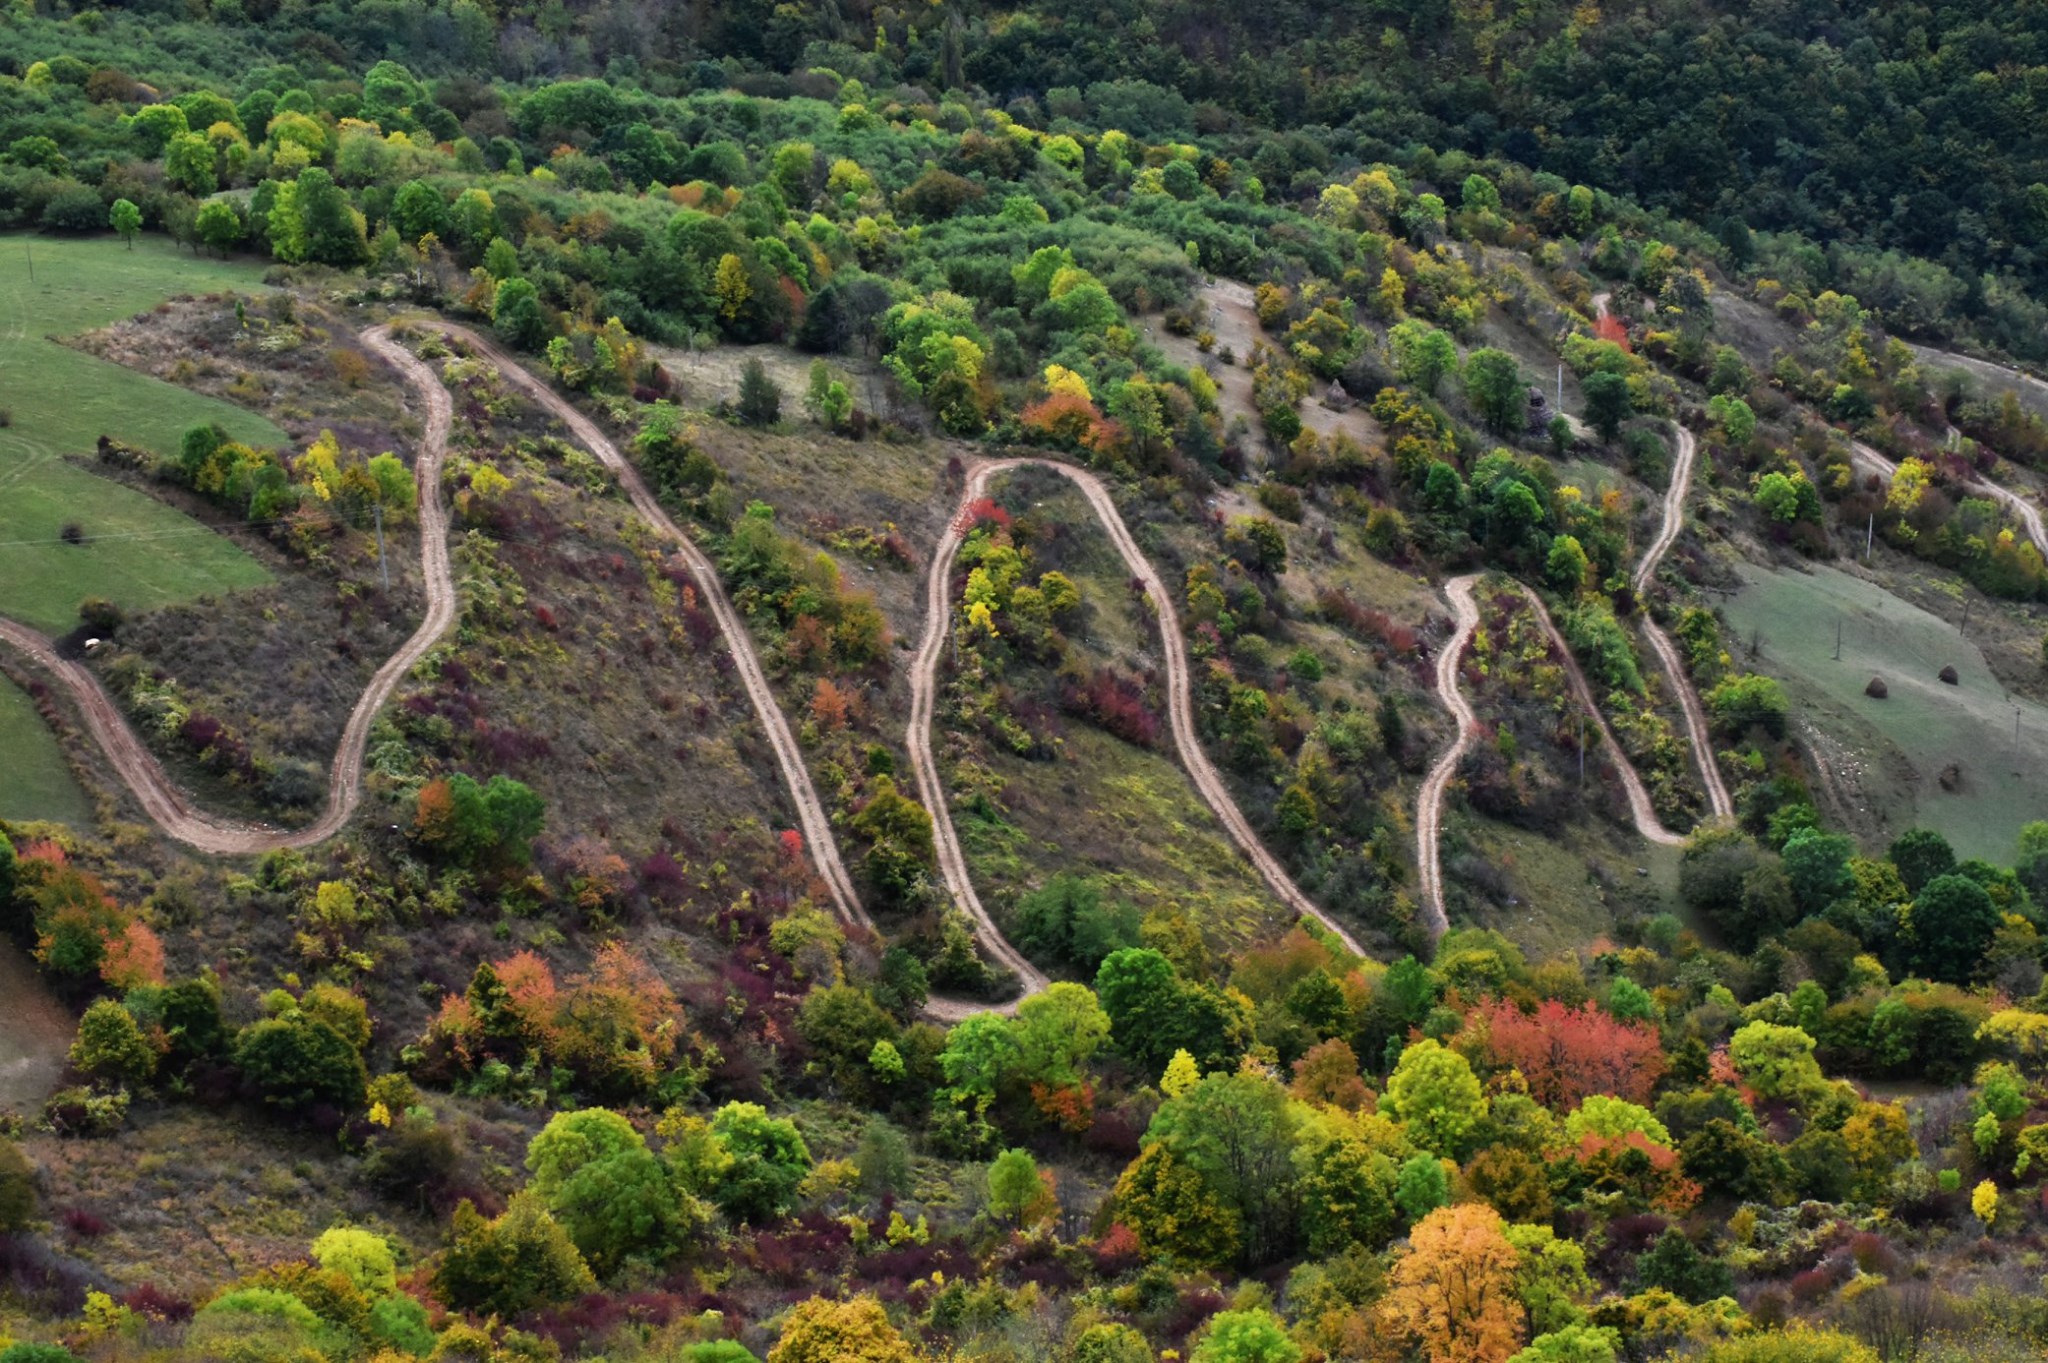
796, 777
2028, 513
1180, 714
1429, 812
169, 807
166, 805
1718, 803
1465, 615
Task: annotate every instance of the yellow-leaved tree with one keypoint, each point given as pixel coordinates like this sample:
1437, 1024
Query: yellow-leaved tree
1454, 1291
855, 1331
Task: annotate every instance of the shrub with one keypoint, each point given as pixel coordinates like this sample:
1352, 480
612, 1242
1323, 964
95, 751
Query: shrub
760, 401
299, 1062
520, 1260
17, 1188
110, 1045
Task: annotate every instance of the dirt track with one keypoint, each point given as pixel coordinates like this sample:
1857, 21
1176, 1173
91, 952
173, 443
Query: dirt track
1429, 804
1429, 812
1718, 803
796, 777
1180, 713
166, 805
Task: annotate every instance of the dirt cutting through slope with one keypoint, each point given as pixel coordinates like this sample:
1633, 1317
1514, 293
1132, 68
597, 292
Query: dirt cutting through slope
168, 806
1718, 803
1179, 697
171, 809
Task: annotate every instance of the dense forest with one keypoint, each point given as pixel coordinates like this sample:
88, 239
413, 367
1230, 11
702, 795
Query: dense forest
1818, 139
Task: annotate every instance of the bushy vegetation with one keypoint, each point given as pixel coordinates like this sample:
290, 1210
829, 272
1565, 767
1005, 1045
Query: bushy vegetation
613, 1093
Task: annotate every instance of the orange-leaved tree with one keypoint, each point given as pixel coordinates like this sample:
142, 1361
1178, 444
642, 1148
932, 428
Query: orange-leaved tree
1454, 1291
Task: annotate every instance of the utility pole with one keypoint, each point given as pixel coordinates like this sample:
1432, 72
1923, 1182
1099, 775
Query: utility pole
1967, 603
383, 572
1838, 636
1869, 536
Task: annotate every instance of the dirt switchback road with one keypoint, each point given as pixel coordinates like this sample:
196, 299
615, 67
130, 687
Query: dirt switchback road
1180, 712
1429, 805
165, 804
1718, 803
796, 777
171, 810
1429, 811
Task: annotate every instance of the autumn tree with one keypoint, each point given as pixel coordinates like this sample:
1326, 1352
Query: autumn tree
1348, 1186
1237, 1134
1453, 1292
851, 1331
1567, 1054
110, 1045
508, 1265
1175, 1216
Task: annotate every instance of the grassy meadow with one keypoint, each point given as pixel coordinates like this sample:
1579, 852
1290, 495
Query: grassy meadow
1899, 747
35, 780
59, 401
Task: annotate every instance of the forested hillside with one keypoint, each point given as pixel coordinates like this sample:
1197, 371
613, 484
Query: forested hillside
1295, 684
1841, 133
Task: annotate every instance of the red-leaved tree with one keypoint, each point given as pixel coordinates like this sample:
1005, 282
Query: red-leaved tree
1567, 1054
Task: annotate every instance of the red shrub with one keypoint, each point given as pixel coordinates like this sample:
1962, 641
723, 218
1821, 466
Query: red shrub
1117, 1252
152, 1301
1373, 626
1115, 703
982, 510
84, 1224
1191, 1310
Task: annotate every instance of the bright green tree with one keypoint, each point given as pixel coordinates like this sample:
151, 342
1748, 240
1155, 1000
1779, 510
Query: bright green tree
363, 1257
124, 217
1434, 1093
1017, 1195
1423, 356
1250, 1336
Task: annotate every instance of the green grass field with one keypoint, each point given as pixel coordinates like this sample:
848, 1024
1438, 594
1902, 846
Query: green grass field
1900, 745
139, 553
38, 784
